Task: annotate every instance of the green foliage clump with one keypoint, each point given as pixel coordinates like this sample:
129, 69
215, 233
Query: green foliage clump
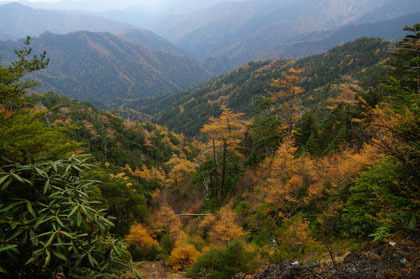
224, 263
24, 137
375, 187
128, 203
49, 225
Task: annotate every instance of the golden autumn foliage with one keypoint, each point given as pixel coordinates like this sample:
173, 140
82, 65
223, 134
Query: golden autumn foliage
226, 130
183, 256
285, 97
288, 182
207, 223
225, 135
225, 229
180, 169
153, 174
141, 237
345, 92
297, 232
165, 220
395, 133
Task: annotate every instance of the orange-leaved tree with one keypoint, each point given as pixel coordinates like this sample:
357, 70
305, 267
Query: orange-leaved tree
285, 97
141, 238
181, 167
225, 228
225, 135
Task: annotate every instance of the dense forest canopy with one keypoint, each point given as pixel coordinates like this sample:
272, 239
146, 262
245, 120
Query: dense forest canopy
299, 160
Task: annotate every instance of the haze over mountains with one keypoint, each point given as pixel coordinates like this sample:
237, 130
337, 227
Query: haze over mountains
102, 68
219, 35
242, 30
18, 21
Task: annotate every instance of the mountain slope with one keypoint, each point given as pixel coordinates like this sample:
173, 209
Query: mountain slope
18, 21
358, 62
103, 68
319, 42
239, 32
152, 41
231, 29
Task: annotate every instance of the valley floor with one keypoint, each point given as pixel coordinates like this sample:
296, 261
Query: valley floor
158, 270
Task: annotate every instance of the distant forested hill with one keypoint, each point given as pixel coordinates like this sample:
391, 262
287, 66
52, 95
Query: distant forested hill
18, 21
103, 68
231, 34
319, 42
152, 40
356, 64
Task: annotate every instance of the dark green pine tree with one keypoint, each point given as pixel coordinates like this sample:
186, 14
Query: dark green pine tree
406, 65
12, 87
306, 128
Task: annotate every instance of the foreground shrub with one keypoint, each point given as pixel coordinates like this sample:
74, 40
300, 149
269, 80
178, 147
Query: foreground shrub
183, 257
224, 263
142, 245
50, 227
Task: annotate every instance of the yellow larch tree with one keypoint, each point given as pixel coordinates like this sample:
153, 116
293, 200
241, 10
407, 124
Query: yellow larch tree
165, 220
285, 97
141, 237
225, 133
225, 229
180, 168
183, 256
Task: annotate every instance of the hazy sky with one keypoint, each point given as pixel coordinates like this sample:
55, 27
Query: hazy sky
124, 2
150, 7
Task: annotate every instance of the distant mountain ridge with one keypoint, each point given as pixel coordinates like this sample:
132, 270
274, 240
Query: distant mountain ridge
151, 40
319, 42
103, 68
18, 21
236, 33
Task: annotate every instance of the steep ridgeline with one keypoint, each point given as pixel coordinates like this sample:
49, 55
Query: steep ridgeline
103, 68
319, 42
235, 33
358, 62
18, 21
152, 40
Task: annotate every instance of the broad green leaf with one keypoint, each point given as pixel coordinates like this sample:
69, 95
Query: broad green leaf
72, 212
59, 255
7, 247
92, 260
5, 185
33, 258
30, 209
79, 219
18, 178
2, 179
48, 243
46, 186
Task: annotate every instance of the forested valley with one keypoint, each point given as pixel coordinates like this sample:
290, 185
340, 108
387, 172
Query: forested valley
283, 168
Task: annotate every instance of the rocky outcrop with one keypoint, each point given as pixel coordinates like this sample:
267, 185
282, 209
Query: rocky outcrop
390, 260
